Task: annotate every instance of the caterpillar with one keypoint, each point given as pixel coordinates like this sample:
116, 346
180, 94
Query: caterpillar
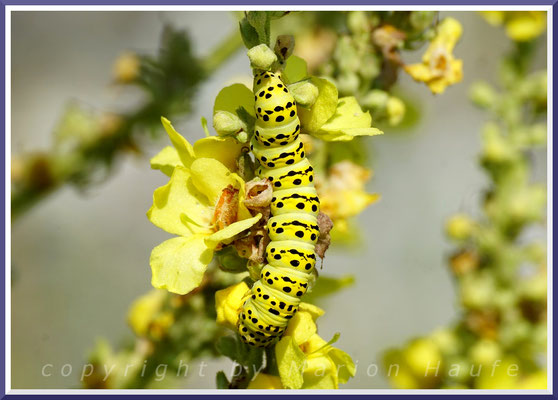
293, 229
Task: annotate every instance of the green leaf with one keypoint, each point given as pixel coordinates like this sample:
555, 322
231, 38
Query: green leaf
227, 346
247, 118
327, 285
184, 149
323, 108
345, 365
260, 20
222, 381
226, 234
179, 264
231, 98
290, 362
166, 160
172, 201
348, 122
295, 69
249, 34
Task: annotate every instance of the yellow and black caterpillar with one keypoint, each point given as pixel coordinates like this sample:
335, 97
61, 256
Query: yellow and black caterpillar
293, 228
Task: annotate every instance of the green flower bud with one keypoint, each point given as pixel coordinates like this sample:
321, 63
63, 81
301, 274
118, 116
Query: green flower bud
483, 95
460, 227
484, 352
242, 136
477, 291
227, 123
261, 57
348, 83
395, 110
420, 20
376, 100
496, 147
230, 261
357, 21
305, 93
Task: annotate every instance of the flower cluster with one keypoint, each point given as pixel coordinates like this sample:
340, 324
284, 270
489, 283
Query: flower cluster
500, 274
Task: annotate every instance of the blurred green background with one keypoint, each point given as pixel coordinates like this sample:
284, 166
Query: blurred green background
80, 258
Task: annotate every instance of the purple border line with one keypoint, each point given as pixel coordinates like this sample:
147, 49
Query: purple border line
285, 2
4, 3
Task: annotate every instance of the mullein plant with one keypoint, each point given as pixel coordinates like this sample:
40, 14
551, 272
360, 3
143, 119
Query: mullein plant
363, 53
499, 266
217, 208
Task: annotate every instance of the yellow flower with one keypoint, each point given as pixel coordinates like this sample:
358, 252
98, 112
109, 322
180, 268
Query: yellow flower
343, 194
126, 68
202, 204
307, 361
228, 302
265, 381
520, 26
439, 68
144, 310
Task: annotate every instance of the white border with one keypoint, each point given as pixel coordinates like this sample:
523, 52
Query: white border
10, 8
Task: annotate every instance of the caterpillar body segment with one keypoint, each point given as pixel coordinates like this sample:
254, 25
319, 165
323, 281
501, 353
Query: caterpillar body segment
292, 228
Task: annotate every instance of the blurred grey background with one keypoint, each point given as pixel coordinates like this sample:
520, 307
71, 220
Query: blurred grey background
80, 259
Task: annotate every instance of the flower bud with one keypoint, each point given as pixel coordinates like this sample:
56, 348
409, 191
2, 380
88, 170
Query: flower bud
376, 100
348, 82
422, 354
460, 227
395, 109
242, 136
420, 20
126, 68
357, 21
227, 123
261, 57
483, 95
305, 93
484, 352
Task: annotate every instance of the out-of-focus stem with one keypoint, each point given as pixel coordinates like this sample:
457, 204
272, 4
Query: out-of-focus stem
102, 149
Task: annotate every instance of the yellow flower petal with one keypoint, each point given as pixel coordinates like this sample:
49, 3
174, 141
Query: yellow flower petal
343, 364
265, 381
172, 200
166, 160
495, 18
229, 232
211, 177
301, 327
290, 362
184, 149
524, 26
348, 122
228, 302
224, 149
143, 310
179, 264
313, 310
320, 373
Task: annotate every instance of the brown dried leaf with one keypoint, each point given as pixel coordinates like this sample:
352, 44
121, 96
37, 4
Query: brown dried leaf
258, 194
325, 224
226, 210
